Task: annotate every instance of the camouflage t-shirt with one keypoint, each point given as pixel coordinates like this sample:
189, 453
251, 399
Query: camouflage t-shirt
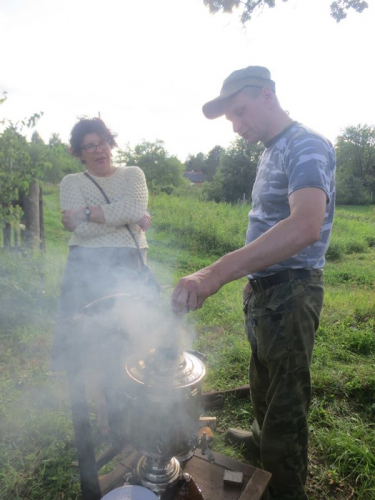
295, 159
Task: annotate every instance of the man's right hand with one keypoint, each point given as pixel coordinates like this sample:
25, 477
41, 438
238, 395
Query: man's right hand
191, 291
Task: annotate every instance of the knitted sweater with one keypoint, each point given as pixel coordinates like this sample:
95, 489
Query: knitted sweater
127, 190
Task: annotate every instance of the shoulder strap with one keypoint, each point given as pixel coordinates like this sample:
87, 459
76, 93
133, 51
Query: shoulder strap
126, 225
99, 187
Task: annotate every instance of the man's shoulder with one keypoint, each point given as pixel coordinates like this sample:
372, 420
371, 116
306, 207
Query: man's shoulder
302, 134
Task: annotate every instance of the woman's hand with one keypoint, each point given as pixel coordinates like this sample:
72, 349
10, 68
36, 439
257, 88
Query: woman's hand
73, 217
145, 222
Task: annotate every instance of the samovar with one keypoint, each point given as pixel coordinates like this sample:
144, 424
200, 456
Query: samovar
161, 414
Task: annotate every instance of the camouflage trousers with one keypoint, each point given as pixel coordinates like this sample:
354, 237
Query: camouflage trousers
281, 322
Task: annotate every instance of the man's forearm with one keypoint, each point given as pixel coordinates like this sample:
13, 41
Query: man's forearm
281, 242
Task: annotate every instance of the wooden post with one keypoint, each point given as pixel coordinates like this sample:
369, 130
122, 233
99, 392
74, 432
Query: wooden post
82, 430
41, 221
31, 210
7, 231
15, 237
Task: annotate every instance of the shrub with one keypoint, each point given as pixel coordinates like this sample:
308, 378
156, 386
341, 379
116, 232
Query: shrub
356, 246
335, 251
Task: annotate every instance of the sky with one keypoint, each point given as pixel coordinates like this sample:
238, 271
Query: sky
148, 66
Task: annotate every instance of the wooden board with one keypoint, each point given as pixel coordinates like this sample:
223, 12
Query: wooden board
208, 476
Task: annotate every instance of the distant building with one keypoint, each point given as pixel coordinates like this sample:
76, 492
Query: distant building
195, 178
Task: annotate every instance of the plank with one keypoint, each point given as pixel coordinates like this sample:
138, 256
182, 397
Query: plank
228, 463
209, 478
256, 486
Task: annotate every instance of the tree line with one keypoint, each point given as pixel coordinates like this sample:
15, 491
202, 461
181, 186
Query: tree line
229, 172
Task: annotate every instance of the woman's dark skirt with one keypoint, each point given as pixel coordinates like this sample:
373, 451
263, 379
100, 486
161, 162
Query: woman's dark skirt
91, 274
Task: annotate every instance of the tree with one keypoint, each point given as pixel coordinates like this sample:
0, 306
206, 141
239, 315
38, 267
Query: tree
212, 162
195, 162
15, 172
163, 172
208, 164
355, 152
236, 174
21, 164
349, 189
36, 139
339, 8
55, 140
60, 160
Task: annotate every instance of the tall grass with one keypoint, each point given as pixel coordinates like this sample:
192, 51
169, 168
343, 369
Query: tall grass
218, 228
37, 443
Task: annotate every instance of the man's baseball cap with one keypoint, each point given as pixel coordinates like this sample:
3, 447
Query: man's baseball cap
252, 76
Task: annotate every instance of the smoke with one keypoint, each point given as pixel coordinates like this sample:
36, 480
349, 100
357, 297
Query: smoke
128, 348
106, 318
127, 323
136, 342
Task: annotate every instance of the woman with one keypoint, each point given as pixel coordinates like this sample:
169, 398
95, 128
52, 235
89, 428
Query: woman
105, 209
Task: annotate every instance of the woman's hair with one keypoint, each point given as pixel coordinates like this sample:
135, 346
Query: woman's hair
88, 126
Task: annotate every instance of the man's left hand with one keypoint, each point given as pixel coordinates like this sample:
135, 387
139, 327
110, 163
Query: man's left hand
73, 217
191, 291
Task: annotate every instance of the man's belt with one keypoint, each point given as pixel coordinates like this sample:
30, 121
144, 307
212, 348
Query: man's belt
260, 284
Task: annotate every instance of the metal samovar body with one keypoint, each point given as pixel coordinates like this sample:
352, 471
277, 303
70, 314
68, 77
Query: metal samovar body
162, 410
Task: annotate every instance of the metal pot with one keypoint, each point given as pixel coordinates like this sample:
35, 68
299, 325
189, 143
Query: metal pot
163, 406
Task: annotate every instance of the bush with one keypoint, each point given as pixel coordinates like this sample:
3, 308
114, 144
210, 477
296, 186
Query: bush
335, 251
350, 190
356, 246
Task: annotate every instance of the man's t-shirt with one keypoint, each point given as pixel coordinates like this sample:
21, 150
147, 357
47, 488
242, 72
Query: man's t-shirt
295, 159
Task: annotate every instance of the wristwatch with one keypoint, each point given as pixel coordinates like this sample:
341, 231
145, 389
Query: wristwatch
88, 213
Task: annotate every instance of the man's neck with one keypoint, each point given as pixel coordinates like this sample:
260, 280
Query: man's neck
281, 121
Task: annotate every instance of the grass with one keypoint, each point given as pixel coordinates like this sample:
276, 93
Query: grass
37, 445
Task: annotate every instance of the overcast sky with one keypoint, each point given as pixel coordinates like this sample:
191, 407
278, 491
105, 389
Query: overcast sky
148, 66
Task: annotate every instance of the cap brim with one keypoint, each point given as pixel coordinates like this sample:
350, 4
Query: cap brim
215, 108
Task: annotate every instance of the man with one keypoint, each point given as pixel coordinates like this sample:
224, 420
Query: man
288, 234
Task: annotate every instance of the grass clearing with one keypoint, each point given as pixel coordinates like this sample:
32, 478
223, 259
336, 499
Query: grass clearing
35, 422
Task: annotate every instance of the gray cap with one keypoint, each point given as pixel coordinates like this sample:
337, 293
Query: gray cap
252, 76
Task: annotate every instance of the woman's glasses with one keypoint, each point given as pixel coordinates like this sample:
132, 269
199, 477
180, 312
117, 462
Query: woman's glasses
91, 148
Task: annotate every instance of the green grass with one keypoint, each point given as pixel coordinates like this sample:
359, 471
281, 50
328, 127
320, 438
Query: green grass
216, 228
343, 409
37, 444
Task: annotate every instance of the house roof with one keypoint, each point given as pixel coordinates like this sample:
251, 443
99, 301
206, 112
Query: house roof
195, 177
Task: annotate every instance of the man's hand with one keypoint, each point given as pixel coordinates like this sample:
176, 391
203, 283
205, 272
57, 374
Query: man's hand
145, 222
73, 217
191, 291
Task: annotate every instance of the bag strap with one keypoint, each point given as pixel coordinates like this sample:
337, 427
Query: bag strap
126, 225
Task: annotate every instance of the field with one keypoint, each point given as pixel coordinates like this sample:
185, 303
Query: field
37, 443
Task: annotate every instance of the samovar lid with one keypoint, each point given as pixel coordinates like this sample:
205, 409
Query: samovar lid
162, 368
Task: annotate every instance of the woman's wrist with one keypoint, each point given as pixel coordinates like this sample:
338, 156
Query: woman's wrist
81, 214
96, 215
